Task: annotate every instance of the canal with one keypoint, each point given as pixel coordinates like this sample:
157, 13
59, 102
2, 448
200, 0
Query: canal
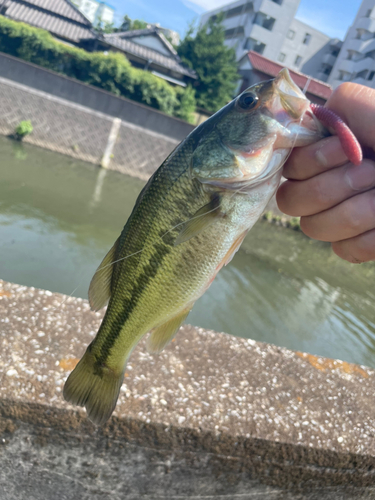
59, 216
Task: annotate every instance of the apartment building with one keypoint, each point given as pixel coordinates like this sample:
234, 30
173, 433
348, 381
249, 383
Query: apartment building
269, 27
356, 61
308, 50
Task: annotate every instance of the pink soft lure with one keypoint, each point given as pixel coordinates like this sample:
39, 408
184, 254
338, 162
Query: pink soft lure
349, 143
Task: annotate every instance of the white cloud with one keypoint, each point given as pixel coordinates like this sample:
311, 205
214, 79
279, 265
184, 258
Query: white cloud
205, 4
193, 6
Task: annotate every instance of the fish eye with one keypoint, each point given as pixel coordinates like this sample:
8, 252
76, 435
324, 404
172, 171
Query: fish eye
248, 101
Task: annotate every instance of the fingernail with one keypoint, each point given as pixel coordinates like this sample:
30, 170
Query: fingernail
360, 177
330, 153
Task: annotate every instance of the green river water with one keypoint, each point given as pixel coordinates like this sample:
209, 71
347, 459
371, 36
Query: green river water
59, 216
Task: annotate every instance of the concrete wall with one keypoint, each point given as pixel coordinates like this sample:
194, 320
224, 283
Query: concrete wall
212, 416
81, 132
96, 99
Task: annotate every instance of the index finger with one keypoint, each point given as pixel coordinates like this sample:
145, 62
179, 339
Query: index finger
314, 159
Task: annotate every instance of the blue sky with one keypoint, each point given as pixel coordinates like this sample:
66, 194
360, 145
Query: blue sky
333, 17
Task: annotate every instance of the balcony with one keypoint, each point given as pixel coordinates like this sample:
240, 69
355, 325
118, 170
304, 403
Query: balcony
366, 63
366, 23
261, 34
347, 66
329, 59
233, 22
355, 44
361, 81
336, 42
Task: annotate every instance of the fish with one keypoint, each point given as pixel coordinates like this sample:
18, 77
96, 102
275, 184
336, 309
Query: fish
187, 223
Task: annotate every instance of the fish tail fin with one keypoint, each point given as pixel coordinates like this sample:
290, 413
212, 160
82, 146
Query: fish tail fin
96, 388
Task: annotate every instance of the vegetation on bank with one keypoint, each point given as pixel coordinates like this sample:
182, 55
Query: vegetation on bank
282, 220
23, 129
111, 72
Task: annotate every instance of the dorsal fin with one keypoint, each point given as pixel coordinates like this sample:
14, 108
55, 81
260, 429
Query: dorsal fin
100, 286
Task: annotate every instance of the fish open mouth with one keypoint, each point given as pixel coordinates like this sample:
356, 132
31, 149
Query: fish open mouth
291, 109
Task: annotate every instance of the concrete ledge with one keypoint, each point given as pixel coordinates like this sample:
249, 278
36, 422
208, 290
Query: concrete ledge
213, 416
97, 99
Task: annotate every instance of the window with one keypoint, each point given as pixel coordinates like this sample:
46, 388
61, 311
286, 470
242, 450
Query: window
236, 11
259, 47
371, 75
281, 57
327, 70
278, 1
368, 13
362, 74
252, 44
344, 76
298, 60
307, 39
265, 21
234, 32
291, 34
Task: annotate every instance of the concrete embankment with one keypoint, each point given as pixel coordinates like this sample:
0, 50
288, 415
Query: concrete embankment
212, 417
79, 120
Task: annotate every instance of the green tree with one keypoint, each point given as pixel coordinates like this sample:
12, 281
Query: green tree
129, 24
104, 27
214, 63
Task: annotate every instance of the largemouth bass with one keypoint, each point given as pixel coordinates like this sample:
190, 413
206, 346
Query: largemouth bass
187, 223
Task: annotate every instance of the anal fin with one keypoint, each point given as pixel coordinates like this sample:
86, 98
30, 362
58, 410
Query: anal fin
163, 334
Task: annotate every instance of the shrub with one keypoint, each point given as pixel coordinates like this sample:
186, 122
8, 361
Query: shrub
111, 72
24, 128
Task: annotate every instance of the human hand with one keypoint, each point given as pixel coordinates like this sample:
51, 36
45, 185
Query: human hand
336, 199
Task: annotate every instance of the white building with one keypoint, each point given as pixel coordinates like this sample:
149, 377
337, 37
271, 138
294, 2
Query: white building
309, 50
96, 11
270, 28
356, 61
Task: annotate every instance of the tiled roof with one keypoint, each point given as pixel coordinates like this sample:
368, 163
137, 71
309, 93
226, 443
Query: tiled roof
272, 68
153, 30
125, 42
60, 17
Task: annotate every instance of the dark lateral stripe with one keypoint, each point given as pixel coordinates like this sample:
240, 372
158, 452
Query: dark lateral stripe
149, 271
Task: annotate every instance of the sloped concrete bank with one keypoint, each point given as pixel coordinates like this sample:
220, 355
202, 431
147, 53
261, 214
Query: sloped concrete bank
212, 417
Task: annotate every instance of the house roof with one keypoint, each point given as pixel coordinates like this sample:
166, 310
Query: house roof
60, 17
152, 30
126, 42
272, 68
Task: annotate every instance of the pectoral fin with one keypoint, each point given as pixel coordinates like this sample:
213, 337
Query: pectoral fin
202, 219
162, 335
100, 286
